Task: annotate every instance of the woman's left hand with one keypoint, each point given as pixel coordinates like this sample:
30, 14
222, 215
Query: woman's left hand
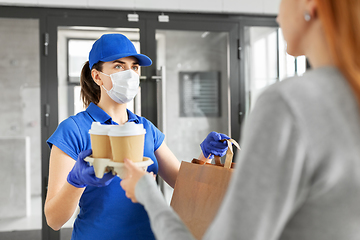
132, 177
213, 145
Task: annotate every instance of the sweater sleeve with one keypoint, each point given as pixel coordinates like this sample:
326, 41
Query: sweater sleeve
265, 188
165, 223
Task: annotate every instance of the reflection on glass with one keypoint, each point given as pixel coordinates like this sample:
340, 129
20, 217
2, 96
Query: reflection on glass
266, 61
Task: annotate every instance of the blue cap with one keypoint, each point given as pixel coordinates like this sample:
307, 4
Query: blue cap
110, 47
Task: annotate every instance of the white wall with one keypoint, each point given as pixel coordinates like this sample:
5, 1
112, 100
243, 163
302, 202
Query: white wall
204, 6
20, 122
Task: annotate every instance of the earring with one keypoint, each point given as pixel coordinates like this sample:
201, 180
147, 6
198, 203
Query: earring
307, 16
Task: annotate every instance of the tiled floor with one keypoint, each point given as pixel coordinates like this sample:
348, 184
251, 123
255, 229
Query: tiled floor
32, 222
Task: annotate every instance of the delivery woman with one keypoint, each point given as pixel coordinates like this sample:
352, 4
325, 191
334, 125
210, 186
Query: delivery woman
109, 80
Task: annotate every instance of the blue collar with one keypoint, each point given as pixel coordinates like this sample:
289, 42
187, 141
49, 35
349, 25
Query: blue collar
132, 117
102, 117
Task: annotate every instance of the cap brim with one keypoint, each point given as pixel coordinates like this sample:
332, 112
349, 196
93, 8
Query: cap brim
143, 59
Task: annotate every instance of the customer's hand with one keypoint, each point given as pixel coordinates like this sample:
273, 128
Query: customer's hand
82, 174
212, 145
133, 175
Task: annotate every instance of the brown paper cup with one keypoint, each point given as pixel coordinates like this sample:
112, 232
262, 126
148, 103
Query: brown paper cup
100, 145
130, 147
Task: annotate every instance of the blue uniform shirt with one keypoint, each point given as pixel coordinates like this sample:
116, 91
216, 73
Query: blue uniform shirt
105, 212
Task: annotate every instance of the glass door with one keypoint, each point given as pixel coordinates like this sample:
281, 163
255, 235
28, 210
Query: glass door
197, 81
195, 88
20, 147
266, 61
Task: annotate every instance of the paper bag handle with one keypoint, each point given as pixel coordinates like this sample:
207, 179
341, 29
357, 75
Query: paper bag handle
229, 153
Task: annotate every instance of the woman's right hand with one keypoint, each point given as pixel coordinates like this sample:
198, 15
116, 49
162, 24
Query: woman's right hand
83, 175
133, 176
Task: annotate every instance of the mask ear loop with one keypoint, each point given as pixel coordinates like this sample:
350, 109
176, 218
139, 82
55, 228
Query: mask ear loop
112, 82
104, 88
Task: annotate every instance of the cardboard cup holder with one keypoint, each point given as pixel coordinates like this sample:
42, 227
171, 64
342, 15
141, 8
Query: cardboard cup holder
104, 165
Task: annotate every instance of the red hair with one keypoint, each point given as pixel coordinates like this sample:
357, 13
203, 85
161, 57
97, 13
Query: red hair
341, 21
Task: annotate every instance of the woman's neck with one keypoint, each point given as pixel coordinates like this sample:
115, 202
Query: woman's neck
316, 47
116, 111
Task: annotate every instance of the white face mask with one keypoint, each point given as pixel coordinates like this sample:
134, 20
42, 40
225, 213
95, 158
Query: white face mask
125, 86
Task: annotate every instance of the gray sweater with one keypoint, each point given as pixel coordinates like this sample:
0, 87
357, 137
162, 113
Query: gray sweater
298, 174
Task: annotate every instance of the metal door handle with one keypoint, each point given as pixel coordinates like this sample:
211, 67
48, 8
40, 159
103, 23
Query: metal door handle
157, 78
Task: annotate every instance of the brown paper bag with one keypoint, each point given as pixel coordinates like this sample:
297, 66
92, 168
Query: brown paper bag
199, 191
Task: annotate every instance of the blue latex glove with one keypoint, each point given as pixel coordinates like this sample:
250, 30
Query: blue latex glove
83, 174
212, 146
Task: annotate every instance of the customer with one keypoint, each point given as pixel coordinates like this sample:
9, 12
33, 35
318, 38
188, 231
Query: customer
109, 80
298, 175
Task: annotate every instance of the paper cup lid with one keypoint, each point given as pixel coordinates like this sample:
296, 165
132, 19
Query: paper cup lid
128, 129
99, 129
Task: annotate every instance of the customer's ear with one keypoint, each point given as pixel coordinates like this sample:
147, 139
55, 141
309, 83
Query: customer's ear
311, 8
